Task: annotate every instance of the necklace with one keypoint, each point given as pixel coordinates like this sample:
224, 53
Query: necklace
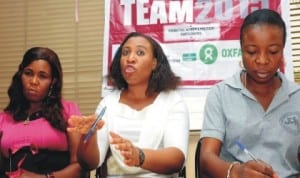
244, 79
33, 116
26, 122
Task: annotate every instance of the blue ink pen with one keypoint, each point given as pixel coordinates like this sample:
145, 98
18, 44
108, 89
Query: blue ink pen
92, 129
245, 150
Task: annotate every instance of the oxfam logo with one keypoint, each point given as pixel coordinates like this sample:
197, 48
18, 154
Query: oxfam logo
208, 54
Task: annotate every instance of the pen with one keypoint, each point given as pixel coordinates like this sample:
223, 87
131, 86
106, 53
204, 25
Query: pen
245, 150
92, 129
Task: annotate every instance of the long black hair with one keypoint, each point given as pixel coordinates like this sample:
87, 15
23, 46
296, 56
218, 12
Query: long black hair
51, 107
162, 77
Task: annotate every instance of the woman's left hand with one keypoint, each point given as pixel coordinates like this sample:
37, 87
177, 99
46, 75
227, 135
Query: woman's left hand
82, 124
127, 149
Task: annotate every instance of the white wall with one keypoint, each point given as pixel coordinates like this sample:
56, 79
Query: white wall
195, 106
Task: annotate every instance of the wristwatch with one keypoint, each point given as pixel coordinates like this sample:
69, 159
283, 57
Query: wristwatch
141, 157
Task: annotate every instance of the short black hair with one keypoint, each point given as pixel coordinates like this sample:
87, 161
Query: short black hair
263, 16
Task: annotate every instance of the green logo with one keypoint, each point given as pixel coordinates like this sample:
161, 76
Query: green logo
189, 57
208, 54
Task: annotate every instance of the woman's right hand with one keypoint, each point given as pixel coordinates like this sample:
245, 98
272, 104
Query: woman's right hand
82, 124
253, 169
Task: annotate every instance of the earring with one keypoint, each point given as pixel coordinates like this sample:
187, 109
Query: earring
241, 64
50, 90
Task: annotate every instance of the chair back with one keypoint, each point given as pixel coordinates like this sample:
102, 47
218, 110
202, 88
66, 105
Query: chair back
197, 160
182, 173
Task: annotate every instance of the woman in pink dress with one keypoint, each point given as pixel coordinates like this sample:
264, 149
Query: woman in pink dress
34, 140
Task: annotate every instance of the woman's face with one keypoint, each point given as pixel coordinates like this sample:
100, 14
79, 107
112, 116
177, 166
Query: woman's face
137, 61
262, 51
36, 79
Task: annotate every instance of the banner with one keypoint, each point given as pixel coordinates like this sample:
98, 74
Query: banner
199, 37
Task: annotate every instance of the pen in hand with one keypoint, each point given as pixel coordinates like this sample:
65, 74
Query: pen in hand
245, 150
93, 127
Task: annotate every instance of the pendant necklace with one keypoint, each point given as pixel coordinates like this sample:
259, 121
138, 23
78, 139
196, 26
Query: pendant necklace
26, 122
33, 116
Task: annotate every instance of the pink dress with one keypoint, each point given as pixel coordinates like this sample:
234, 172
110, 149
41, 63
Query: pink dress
37, 133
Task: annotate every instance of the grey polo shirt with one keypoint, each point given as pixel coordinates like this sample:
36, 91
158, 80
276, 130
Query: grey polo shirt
232, 113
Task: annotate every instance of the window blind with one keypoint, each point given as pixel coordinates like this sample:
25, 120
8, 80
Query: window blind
295, 30
48, 23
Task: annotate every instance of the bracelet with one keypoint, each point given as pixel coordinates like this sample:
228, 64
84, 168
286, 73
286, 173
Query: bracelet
141, 157
230, 168
49, 175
